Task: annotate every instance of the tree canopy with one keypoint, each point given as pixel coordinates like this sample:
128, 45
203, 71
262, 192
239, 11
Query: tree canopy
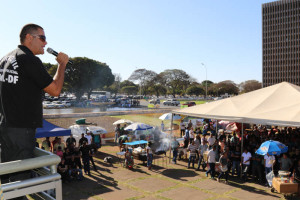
144, 77
250, 85
85, 75
176, 80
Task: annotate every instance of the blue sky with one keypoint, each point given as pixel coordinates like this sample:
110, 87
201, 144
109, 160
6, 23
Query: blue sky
225, 35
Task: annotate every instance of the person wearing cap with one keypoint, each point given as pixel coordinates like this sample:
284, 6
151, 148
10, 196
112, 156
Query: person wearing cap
89, 137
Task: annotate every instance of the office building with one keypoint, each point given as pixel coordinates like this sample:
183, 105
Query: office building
281, 42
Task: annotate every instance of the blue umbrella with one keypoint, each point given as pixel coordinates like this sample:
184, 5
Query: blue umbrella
272, 147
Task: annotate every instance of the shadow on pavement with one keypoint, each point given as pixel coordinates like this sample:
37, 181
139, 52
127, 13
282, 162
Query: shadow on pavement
88, 187
239, 184
179, 174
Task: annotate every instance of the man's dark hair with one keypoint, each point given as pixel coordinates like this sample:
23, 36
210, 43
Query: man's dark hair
28, 28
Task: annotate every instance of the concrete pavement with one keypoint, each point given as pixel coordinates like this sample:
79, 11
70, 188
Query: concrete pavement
166, 181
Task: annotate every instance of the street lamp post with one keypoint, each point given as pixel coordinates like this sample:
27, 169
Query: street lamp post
205, 80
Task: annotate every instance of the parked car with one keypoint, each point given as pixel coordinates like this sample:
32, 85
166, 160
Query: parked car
154, 101
189, 103
48, 105
171, 102
67, 104
58, 104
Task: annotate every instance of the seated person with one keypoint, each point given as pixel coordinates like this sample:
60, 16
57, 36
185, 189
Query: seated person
74, 170
129, 161
62, 169
285, 163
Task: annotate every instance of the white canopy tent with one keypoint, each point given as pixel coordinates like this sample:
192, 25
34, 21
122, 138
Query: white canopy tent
274, 105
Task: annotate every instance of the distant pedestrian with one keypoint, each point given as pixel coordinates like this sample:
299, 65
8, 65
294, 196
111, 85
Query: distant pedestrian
175, 146
269, 161
256, 166
224, 167
211, 140
192, 149
186, 138
182, 128
192, 135
162, 126
149, 155
211, 160
117, 133
202, 148
236, 160
85, 155
246, 157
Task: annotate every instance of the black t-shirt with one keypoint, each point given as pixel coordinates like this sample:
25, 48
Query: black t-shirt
70, 140
22, 89
85, 151
238, 154
82, 140
60, 165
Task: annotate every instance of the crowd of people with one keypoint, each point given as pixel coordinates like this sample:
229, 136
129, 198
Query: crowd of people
75, 158
210, 147
204, 147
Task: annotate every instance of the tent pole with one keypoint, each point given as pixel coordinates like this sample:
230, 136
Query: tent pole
242, 148
171, 135
217, 135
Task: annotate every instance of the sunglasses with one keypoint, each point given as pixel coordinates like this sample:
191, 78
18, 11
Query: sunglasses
41, 37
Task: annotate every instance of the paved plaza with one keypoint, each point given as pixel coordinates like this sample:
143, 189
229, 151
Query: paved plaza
165, 181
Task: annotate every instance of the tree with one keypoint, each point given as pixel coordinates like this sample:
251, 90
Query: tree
115, 87
127, 83
130, 90
195, 90
158, 89
143, 76
250, 85
48, 66
226, 87
207, 84
176, 80
85, 75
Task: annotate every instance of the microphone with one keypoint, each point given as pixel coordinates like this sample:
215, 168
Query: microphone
51, 51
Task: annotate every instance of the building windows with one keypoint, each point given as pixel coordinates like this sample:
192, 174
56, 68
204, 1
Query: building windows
281, 46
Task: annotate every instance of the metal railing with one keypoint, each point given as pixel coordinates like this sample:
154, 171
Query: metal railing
44, 164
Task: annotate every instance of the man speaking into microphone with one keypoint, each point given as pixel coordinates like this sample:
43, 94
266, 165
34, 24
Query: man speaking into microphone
23, 79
